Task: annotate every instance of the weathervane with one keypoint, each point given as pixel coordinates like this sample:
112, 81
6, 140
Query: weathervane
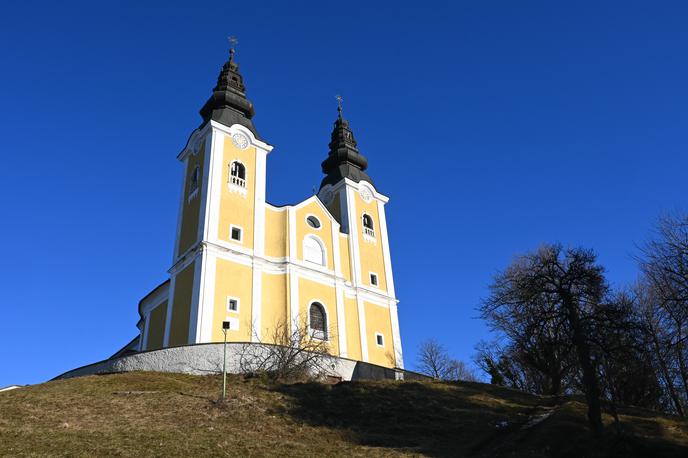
340, 99
232, 45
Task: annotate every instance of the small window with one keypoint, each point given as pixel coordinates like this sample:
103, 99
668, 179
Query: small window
313, 222
379, 339
317, 321
235, 233
373, 279
237, 174
232, 304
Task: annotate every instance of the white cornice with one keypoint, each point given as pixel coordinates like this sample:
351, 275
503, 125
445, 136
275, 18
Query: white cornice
281, 266
358, 186
239, 128
191, 142
151, 301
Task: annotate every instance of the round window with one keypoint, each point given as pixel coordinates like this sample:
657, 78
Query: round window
313, 222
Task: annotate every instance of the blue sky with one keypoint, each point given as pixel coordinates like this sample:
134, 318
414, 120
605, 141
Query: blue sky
493, 127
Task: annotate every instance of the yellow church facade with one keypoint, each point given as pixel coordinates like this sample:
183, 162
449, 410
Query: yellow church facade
323, 263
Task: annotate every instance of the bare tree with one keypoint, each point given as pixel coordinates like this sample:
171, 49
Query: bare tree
292, 351
460, 371
544, 369
434, 360
664, 303
554, 289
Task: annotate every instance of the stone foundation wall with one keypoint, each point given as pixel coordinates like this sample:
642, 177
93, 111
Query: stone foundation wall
204, 359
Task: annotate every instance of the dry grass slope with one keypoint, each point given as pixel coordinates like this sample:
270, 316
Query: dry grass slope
155, 414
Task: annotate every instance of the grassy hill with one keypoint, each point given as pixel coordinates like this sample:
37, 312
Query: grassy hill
156, 414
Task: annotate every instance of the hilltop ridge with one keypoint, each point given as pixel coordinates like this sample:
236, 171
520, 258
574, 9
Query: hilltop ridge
162, 414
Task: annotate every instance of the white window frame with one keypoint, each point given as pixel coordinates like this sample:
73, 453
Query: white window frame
242, 190
238, 304
311, 332
322, 248
318, 219
382, 336
377, 279
241, 233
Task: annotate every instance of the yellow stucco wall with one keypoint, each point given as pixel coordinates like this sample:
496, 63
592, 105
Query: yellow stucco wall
188, 234
353, 333
274, 305
324, 233
372, 259
233, 280
378, 320
156, 326
236, 208
275, 232
310, 291
181, 306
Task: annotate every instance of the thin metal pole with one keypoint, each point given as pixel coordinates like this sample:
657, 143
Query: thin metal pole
224, 366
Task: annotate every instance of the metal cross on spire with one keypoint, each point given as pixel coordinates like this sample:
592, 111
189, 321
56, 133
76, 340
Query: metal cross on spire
232, 45
340, 99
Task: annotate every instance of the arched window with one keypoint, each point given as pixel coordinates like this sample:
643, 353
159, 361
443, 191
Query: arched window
237, 174
317, 321
313, 251
368, 227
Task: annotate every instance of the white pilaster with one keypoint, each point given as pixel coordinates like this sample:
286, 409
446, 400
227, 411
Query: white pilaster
396, 335
207, 298
215, 147
197, 297
143, 340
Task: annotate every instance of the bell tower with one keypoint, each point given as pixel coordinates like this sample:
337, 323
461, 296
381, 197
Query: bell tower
222, 210
349, 194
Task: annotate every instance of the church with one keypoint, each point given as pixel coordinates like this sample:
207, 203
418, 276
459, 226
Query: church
324, 262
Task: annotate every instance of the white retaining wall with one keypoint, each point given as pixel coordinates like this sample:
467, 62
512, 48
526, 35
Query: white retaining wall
204, 359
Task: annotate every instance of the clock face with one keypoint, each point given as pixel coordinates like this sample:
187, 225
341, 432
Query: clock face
366, 195
240, 141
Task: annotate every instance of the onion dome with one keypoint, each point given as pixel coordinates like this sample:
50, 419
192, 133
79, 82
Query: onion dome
344, 160
228, 104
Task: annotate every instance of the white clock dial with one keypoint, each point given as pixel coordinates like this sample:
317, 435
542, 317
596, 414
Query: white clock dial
240, 141
366, 195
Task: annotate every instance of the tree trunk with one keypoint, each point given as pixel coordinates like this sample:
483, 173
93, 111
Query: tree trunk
665, 374
680, 356
592, 390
